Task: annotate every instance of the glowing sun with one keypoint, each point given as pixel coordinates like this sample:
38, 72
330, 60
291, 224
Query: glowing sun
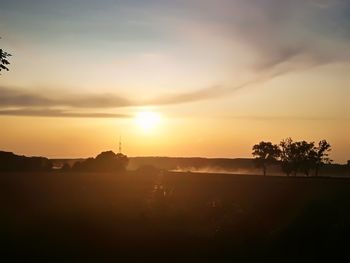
147, 120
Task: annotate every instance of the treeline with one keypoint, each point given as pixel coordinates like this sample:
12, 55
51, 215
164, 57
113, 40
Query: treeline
104, 162
11, 162
293, 156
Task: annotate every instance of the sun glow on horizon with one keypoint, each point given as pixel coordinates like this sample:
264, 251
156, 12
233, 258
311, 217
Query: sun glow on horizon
147, 121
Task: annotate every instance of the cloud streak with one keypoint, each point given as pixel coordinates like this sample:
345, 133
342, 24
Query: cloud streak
284, 36
28, 112
14, 97
30, 103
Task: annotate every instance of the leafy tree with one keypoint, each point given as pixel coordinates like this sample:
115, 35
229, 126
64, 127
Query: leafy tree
321, 155
305, 156
286, 155
4, 60
297, 156
265, 153
104, 162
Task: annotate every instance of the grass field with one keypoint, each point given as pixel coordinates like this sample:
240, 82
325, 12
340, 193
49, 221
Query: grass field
185, 216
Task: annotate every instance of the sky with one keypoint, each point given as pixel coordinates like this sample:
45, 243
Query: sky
214, 77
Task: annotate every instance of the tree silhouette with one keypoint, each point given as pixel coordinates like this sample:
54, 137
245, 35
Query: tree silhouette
286, 155
265, 153
4, 60
305, 156
297, 156
104, 162
321, 155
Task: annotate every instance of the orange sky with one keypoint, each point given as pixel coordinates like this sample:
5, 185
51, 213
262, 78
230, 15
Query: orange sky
222, 75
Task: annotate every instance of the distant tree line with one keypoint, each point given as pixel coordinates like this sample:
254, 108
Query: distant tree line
293, 156
104, 162
10, 162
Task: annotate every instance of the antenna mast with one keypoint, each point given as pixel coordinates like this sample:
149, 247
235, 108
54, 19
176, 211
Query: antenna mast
120, 144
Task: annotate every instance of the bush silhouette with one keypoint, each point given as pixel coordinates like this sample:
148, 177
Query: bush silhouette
104, 162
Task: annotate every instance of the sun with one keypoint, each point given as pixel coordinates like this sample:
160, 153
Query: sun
147, 120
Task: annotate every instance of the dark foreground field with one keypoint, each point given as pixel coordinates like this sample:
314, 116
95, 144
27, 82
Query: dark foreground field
183, 217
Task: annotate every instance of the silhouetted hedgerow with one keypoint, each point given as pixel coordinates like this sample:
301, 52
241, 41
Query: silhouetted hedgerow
12, 162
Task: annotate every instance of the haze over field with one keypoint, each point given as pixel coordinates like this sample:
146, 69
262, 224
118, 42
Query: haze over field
174, 78
189, 130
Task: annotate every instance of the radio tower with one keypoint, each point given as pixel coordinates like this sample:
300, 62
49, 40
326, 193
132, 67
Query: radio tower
120, 144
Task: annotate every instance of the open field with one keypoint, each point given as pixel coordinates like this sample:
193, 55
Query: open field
70, 216
212, 165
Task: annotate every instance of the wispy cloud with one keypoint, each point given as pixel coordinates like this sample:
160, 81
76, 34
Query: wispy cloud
58, 113
295, 31
283, 36
16, 97
291, 33
24, 102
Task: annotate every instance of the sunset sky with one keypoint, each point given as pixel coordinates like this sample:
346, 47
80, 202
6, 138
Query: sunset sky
174, 78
